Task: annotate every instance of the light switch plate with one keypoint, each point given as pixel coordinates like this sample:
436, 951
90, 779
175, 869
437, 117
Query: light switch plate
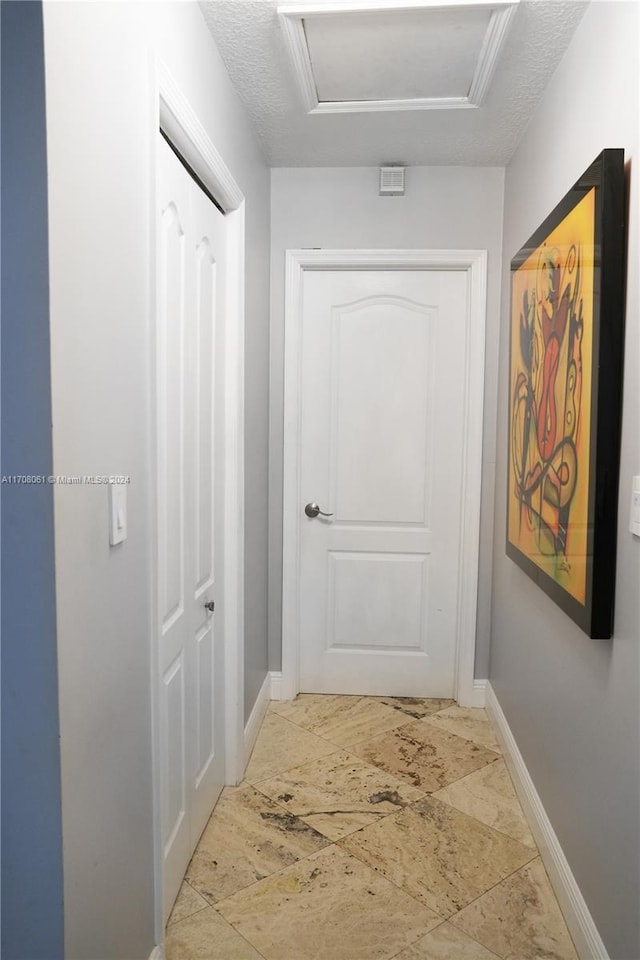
117, 513
634, 523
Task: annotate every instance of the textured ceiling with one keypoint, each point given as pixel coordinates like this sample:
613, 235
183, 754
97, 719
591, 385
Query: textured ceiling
249, 37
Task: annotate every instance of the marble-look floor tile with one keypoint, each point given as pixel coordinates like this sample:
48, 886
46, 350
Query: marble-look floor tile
440, 856
341, 720
207, 936
248, 837
425, 756
339, 794
309, 708
446, 943
469, 722
520, 918
282, 745
488, 795
328, 907
187, 903
417, 707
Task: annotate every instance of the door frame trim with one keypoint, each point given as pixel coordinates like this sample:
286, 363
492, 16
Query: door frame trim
170, 110
474, 263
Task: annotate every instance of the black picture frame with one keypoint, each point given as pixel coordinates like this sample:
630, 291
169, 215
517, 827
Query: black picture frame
565, 397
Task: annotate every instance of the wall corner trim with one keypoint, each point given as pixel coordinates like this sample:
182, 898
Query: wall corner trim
478, 694
157, 953
587, 940
276, 684
252, 728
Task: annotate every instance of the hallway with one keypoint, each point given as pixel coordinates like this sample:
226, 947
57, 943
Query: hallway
369, 829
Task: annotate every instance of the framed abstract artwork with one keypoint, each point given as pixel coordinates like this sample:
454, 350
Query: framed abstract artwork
565, 397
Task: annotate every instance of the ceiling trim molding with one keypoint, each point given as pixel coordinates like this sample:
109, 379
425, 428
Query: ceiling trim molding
308, 8
489, 54
292, 14
293, 28
377, 106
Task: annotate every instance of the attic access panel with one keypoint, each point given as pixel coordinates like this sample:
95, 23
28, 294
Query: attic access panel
371, 55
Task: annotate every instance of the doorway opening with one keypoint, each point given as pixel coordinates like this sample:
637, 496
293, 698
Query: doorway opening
349, 310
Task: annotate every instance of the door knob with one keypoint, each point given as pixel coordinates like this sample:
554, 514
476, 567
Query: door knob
210, 606
312, 510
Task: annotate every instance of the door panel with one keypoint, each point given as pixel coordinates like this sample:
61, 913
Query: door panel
207, 770
205, 388
173, 717
378, 342
376, 601
205, 730
382, 400
173, 614
170, 347
190, 257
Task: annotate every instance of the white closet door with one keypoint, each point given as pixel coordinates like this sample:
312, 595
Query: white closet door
190, 297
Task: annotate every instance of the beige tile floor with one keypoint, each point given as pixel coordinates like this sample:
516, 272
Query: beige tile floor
369, 828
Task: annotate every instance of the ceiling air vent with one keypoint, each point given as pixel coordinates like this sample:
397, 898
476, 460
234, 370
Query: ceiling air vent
392, 181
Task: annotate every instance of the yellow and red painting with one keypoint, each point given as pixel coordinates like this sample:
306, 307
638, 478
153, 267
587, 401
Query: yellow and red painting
550, 388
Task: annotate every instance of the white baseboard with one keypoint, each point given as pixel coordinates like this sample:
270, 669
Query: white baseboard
157, 953
254, 722
276, 684
585, 934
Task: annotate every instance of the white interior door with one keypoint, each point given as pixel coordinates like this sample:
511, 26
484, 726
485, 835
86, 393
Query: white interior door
190, 301
381, 416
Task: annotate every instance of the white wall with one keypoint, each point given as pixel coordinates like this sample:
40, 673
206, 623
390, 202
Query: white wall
571, 702
444, 207
98, 73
